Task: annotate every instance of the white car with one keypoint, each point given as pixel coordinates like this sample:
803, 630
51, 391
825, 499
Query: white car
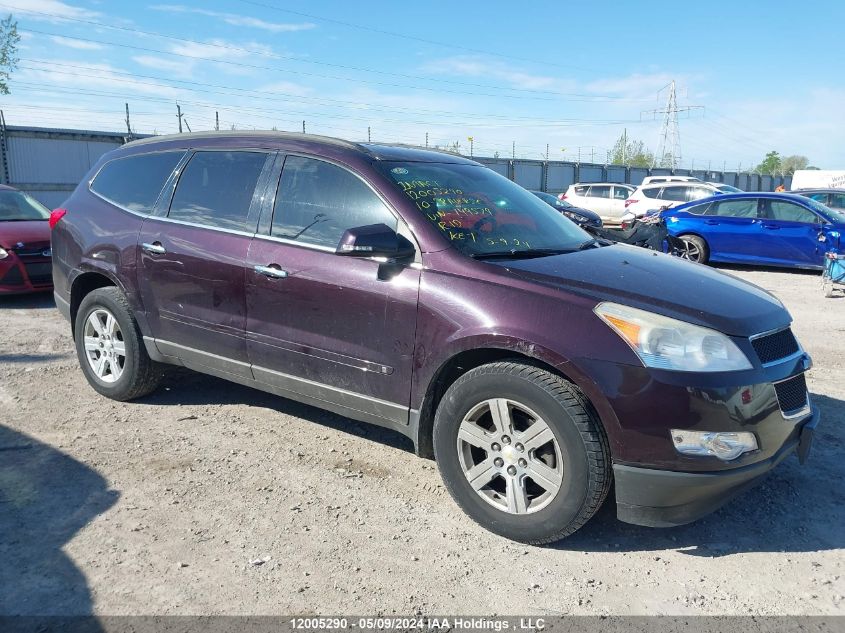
651, 180
605, 198
669, 194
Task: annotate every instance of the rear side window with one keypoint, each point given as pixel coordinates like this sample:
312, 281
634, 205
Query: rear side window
697, 193
734, 208
216, 189
599, 191
135, 182
621, 193
837, 201
674, 194
318, 201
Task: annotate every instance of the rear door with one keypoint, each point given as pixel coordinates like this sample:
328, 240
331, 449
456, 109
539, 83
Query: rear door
327, 327
731, 229
192, 255
617, 202
790, 234
600, 201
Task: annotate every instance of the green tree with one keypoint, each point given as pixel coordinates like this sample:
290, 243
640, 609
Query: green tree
771, 165
790, 164
9, 39
630, 152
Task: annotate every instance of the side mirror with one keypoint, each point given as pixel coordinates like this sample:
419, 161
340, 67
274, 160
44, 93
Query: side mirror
375, 240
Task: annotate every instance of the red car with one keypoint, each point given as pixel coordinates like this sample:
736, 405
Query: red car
26, 259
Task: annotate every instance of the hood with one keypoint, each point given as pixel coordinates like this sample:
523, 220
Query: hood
660, 283
28, 232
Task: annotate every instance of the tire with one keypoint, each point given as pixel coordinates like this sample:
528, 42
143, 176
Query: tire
571, 451
697, 249
137, 375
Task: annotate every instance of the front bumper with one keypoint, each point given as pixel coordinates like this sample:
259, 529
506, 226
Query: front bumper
20, 275
663, 498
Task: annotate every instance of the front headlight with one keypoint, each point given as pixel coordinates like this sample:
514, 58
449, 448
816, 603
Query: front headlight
665, 343
3, 253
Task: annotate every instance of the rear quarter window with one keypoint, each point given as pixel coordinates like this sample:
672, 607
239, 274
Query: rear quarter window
135, 182
652, 192
581, 191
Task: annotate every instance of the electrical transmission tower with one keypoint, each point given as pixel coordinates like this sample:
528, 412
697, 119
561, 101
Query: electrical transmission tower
669, 143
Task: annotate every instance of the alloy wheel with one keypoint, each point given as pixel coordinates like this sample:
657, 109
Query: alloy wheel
692, 251
510, 456
105, 348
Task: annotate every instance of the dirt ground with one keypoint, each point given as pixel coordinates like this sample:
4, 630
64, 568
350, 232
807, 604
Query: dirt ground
211, 498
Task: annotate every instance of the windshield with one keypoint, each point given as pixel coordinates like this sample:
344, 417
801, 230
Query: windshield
826, 211
483, 213
16, 206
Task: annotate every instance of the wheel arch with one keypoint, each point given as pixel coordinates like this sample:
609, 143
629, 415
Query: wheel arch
83, 285
459, 363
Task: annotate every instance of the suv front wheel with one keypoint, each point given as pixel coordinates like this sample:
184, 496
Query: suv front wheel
521, 451
111, 349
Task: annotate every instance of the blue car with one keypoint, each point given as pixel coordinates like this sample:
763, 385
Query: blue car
767, 229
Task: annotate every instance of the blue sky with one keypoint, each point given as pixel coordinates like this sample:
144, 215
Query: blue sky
572, 75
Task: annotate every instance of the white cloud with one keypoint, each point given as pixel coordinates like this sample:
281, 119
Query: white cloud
48, 10
477, 66
76, 44
287, 88
168, 66
237, 20
95, 76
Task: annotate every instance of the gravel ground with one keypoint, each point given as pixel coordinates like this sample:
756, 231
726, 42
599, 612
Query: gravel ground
211, 498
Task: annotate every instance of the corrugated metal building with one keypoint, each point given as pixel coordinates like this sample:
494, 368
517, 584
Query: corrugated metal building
49, 163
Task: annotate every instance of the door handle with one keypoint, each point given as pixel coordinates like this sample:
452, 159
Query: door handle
273, 271
771, 227
154, 249
711, 221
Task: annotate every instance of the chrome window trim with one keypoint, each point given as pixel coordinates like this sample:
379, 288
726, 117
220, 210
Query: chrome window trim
282, 240
196, 225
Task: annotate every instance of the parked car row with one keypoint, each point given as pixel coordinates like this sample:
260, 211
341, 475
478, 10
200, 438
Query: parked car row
615, 201
421, 291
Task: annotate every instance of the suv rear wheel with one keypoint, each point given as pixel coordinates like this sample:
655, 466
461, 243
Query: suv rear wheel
521, 451
110, 347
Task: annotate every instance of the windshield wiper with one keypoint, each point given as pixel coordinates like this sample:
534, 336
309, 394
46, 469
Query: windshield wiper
525, 254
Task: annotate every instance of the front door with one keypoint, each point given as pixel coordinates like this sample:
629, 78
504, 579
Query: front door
191, 261
321, 325
730, 228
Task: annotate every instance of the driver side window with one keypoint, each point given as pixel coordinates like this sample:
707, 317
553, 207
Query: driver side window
317, 201
790, 212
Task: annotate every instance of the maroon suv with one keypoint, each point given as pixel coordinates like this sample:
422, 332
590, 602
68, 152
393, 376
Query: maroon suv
423, 292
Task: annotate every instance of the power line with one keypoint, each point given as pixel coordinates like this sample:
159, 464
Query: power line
579, 97
449, 45
272, 96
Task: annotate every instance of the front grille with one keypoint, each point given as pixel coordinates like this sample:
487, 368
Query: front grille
39, 274
33, 250
792, 394
12, 277
773, 347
